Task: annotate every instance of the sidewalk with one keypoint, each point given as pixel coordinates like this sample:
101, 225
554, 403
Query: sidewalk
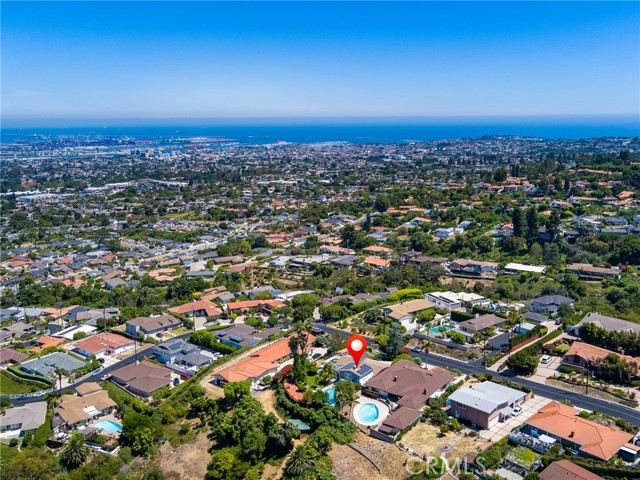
495, 366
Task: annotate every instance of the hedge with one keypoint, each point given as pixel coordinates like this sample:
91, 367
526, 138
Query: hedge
28, 376
457, 316
35, 383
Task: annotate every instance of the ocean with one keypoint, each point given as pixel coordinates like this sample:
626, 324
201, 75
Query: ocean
374, 133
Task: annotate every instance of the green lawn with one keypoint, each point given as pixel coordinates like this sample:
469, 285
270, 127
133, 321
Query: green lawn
9, 385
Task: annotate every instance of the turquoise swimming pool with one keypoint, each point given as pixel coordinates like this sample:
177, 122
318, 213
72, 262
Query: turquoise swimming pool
368, 413
441, 329
331, 391
109, 426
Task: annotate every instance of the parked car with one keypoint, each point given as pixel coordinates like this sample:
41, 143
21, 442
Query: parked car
176, 381
516, 411
106, 377
545, 359
96, 372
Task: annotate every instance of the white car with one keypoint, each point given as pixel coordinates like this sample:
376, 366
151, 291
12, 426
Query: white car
546, 359
516, 411
106, 377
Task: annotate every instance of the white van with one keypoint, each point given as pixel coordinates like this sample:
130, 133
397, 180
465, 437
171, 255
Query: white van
545, 359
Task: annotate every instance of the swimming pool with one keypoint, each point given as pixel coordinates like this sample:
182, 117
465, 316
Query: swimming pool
109, 426
441, 329
331, 391
368, 413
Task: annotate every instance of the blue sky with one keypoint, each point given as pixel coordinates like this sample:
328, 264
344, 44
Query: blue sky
251, 60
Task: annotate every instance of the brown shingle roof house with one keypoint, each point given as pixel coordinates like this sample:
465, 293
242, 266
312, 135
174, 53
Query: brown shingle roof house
91, 401
481, 323
566, 470
587, 437
144, 378
408, 383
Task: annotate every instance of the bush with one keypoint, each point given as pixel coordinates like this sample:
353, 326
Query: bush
457, 316
27, 376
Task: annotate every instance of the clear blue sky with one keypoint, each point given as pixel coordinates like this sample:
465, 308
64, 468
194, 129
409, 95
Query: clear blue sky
151, 60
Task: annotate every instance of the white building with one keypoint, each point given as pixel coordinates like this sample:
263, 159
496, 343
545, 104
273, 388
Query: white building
456, 300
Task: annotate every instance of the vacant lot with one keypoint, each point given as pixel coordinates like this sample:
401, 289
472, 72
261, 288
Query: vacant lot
350, 465
187, 462
426, 439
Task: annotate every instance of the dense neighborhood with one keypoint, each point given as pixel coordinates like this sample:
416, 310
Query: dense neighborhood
178, 308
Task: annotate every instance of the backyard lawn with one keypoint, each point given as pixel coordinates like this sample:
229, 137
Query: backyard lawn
9, 385
426, 439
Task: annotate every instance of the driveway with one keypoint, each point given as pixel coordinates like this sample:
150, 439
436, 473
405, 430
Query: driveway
544, 371
502, 429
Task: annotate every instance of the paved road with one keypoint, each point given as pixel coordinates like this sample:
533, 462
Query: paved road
142, 352
578, 399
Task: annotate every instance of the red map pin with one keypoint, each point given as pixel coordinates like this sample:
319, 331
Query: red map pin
356, 345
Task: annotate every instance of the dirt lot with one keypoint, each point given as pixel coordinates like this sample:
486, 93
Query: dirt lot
268, 400
426, 439
189, 461
350, 465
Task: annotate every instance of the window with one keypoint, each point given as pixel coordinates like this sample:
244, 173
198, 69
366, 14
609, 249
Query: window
460, 405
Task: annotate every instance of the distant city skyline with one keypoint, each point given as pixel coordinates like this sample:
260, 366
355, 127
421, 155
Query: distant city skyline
66, 62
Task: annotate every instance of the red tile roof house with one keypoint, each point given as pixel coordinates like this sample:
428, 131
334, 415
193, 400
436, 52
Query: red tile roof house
566, 470
199, 308
142, 378
265, 306
104, 344
580, 354
583, 436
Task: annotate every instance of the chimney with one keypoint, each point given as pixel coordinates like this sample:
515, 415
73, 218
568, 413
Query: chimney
477, 315
572, 434
395, 378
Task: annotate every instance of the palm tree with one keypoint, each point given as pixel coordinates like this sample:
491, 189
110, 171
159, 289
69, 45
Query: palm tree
426, 347
328, 372
302, 460
74, 452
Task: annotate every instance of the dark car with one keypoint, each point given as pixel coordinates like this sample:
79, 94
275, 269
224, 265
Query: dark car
176, 381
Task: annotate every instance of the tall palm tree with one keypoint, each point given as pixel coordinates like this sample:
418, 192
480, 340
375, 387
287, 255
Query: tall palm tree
426, 347
302, 459
74, 453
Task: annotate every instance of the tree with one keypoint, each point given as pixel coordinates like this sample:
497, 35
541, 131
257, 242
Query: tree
628, 250
396, 340
253, 445
551, 253
31, 464
143, 441
75, 452
301, 460
345, 393
535, 253
234, 391
500, 174
532, 224
221, 464
518, 222
553, 225
522, 363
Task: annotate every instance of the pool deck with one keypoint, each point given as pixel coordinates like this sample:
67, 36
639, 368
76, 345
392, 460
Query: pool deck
107, 418
383, 411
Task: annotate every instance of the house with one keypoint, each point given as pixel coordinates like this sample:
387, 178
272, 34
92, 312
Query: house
444, 232
589, 272
9, 355
381, 251
481, 323
457, 300
47, 365
410, 387
16, 421
463, 266
548, 303
179, 352
587, 438
90, 401
515, 268
45, 342
360, 375
150, 325
104, 344
484, 404
142, 378
566, 470
238, 336
265, 306
403, 312
531, 317
408, 384
199, 308
580, 355
378, 263
421, 259
265, 361
610, 324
